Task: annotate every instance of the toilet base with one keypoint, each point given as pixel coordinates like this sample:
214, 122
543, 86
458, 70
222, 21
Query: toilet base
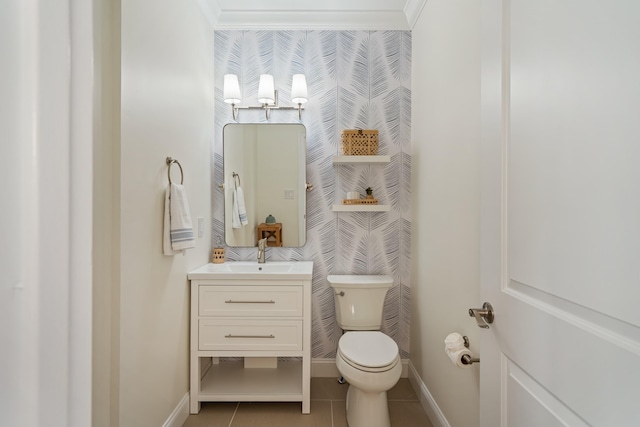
367, 409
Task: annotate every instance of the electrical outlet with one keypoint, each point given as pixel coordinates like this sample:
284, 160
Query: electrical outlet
288, 194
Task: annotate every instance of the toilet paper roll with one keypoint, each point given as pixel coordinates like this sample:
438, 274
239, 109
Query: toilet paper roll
456, 357
454, 341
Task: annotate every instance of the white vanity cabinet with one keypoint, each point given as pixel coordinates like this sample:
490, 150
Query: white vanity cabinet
244, 316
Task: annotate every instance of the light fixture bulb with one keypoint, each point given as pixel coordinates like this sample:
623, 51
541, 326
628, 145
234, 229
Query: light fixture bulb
231, 89
266, 89
299, 89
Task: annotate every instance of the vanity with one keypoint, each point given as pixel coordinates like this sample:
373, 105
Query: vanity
244, 317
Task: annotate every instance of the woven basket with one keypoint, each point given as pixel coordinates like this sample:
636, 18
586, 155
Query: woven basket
359, 201
217, 256
359, 142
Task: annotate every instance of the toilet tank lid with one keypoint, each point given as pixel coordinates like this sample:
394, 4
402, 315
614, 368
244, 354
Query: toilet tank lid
360, 279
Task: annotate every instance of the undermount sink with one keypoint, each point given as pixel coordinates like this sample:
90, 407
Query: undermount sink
256, 268
252, 270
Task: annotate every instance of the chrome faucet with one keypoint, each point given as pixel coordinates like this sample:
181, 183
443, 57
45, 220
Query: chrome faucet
262, 246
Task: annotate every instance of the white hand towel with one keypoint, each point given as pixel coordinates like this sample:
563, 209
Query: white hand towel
181, 229
235, 215
166, 229
242, 210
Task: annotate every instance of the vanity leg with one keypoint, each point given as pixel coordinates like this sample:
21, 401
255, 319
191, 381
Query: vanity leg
194, 384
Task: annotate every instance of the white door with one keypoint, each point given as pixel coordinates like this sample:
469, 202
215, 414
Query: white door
561, 213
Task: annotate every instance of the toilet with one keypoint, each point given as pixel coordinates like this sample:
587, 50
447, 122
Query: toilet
367, 359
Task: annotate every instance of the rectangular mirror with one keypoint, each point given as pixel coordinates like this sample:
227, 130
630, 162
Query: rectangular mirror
265, 167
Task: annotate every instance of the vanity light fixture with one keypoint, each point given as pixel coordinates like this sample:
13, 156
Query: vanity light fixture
267, 95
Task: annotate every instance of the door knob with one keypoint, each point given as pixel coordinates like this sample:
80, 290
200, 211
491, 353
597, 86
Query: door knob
484, 315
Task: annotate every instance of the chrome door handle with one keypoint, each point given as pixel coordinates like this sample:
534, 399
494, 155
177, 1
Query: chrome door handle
484, 316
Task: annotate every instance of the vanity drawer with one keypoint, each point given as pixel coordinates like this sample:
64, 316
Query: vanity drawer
250, 301
247, 334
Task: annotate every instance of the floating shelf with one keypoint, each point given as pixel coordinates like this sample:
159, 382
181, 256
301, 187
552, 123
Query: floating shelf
361, 159
361, 208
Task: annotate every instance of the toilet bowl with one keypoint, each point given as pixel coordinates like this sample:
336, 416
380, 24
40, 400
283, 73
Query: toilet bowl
368, 359
370, 362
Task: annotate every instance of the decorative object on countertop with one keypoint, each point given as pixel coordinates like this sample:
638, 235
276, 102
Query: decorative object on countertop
369, 191
270, 219
359, 142
353, 195
217, 255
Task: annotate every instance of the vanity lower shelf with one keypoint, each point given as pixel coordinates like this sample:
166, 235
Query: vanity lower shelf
231, 382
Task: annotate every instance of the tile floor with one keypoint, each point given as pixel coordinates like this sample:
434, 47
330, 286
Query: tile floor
327, 409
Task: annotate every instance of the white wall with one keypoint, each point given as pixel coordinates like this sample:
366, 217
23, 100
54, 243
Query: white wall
46, 125
106, 207
166, 110
445, 179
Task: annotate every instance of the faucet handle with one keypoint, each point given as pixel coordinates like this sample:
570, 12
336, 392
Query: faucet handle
262, 244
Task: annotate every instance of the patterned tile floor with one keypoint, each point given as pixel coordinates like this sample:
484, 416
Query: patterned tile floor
327, 409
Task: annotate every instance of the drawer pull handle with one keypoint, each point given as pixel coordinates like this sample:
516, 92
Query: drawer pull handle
249, 336
230, 301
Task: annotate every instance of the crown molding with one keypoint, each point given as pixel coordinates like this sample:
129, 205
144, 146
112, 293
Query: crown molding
412, 10
211, 10
301, 20
399, 15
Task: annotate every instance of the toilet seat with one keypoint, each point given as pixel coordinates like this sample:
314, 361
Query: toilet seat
370, 351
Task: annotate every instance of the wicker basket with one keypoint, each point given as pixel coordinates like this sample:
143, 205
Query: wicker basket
359, 201
217, 256
359, 142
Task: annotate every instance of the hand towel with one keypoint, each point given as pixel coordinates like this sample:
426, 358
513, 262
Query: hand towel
181, 229
166, 229
239, 211
235, 215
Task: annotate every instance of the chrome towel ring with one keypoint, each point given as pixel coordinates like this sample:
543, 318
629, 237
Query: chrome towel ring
171, 161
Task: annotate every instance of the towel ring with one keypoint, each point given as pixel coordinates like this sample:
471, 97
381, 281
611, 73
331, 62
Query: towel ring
236, 180
171, 161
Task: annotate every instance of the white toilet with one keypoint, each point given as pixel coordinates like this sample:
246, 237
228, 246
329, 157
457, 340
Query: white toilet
367, 359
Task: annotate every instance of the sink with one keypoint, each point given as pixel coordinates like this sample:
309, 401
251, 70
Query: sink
258, 268
253, 270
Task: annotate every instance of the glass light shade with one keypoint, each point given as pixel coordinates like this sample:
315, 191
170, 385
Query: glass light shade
299, 89
231, 89
266, 89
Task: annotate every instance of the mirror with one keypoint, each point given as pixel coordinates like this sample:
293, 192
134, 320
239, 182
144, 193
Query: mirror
264, 165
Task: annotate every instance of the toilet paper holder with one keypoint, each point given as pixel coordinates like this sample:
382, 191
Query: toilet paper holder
466, 359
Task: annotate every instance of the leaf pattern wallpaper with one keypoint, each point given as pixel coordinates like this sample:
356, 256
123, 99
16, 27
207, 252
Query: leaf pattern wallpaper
356, 79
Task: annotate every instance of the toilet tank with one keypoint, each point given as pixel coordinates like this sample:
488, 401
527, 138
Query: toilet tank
359, 300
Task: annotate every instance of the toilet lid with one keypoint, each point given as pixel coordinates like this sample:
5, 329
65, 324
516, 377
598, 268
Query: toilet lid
369, 349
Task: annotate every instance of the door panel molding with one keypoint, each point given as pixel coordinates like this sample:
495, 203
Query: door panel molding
545, 408
610, 329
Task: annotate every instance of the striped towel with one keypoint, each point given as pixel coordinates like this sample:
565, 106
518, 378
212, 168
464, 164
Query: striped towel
239, 211
181, 230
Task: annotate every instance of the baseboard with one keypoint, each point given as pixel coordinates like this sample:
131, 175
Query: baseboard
426, 399
326, 368
179, 414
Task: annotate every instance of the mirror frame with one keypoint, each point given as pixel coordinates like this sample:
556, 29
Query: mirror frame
269, 148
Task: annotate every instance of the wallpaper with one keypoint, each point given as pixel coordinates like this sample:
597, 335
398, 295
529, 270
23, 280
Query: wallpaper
356, 79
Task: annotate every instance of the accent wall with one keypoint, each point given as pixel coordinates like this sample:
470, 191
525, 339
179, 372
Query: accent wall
356, 80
